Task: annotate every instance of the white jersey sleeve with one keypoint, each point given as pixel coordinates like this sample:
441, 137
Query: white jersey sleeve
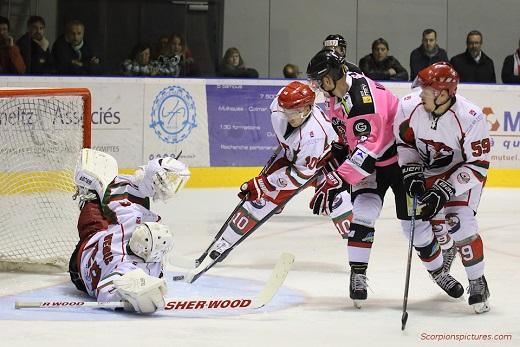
404, 134
475, 147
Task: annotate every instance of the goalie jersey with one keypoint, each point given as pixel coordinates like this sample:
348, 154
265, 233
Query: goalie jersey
105, 228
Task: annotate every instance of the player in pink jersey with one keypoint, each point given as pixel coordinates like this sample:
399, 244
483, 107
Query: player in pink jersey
305, 134
443, 145
122, 242
362, 112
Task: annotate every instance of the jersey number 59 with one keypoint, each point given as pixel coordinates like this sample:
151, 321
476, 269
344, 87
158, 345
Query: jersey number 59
480, 147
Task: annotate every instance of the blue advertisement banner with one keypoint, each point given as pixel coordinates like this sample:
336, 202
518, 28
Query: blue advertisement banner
239, 124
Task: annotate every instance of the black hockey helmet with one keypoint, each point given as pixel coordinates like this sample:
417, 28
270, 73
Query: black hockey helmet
335, 40
326, 62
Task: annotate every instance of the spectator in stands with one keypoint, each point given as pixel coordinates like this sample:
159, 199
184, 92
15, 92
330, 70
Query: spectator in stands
337, 43
511, 67
139, 62
427, 53
188, 66
72, 54
163, 47
291, 71
35, 48
11, 60
380, 66
473, 65
232, 65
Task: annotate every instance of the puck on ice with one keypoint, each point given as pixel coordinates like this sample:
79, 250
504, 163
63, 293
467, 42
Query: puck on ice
178, 278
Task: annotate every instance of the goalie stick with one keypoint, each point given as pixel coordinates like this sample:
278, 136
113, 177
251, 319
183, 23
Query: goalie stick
208, 263
262, 298
404, 317
271, 160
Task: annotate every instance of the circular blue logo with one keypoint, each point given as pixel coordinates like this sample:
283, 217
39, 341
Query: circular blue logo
173, 114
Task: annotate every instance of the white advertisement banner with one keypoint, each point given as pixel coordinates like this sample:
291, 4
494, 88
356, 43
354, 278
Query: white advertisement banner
117, 108
175, 120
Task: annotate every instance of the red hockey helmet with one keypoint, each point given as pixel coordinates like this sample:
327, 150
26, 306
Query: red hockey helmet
439, 76
296, 95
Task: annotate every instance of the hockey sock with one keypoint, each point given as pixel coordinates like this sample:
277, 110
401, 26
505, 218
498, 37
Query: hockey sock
342, 223
242, 222
430, 255
472, 254
441, 234
360, 239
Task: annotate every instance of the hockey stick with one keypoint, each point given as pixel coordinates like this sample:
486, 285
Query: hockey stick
404, 318
208, 262
242, 201
262, 298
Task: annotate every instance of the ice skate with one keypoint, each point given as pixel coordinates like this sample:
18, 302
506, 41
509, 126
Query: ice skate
448, 255
220, 247
478, 294
449, 284
358, 287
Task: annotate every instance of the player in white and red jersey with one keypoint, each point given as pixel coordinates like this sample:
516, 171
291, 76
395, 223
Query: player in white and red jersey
362, 112
122, 242
443, 145
305, 135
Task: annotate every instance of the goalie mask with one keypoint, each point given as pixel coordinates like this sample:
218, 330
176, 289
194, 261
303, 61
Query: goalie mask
151, 241
162, 178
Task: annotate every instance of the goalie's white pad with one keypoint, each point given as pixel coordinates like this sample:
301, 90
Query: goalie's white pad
151, 241
162, 178
95, 170
144, 292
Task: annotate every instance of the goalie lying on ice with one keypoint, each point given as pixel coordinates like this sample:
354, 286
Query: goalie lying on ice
122, 242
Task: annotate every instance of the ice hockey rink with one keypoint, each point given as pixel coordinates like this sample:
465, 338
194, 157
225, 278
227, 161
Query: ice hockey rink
311, 309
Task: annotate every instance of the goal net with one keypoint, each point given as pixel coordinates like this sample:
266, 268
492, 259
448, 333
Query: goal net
41, 134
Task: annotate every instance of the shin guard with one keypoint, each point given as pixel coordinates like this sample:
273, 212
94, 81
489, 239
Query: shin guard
360, 239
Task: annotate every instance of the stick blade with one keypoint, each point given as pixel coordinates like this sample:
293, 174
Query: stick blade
276, 280
404, 319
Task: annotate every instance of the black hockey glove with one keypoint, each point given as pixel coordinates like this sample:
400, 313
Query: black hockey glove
321, 202
435, 198
413, 179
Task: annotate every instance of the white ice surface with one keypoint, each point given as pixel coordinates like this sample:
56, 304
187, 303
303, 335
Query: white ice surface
312, 309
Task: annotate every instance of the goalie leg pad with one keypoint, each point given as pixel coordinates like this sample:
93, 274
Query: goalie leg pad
143, 292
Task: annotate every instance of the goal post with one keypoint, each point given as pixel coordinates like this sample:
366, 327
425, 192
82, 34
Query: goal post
41, 134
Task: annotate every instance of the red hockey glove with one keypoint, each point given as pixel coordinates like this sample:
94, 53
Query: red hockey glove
321, 202
255, 188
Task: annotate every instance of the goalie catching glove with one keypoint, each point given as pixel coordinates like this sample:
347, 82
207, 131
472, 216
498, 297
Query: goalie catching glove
255, 188
162, 178
321, 202
144, 293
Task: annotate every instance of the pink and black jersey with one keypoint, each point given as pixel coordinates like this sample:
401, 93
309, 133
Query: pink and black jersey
364, 119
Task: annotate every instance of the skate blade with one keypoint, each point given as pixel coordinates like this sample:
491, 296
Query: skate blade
481, 307
358, 303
